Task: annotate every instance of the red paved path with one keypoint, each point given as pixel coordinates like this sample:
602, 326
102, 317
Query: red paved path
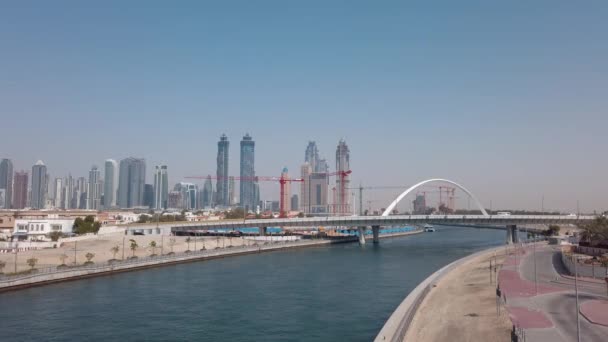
526, 318
596, 311
513, 286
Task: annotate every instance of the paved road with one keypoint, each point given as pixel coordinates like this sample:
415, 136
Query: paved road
559, 307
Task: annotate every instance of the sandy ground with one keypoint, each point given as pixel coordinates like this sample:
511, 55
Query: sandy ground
462, 307
101, 247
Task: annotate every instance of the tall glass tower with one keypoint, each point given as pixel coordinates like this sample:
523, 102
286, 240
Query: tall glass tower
39, 185
223, 145
161, 187
131, 182
6, 181
247, 193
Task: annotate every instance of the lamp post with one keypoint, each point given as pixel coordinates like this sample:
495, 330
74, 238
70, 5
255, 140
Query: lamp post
535, 274
16, 252
578, 320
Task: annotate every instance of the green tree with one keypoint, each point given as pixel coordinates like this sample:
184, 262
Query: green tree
596, 231
114, 251
55, 235
236, 213
32, 262
143, 218
153, 247
133, 247
552, 231
88, 225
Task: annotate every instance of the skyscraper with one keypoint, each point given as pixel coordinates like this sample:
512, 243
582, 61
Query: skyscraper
94, 190
222, 172
342, 164
149, 195
246, 195
39, 185
131, 182
20, 190
305, 188
231, 191
207, 194
80, 195
161, 187
68, 192
188, 194
58, 193
294, 202
6, 182
311, 156
110, 184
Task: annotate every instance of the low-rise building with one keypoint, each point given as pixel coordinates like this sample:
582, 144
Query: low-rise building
40, 229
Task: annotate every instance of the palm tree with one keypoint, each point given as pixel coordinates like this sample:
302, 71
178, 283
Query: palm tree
32, 262
114, 251
133, 247
188, 239
153, 248
89, 257
63, 258
171, 244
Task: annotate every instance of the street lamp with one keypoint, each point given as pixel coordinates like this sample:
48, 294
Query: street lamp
578, 319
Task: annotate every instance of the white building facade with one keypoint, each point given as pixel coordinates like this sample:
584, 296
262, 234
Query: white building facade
40, 229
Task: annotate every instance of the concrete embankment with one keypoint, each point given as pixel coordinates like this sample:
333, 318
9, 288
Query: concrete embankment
456, 302
54, 275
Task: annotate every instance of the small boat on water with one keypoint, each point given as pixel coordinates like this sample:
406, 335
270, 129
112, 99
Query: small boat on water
429, 228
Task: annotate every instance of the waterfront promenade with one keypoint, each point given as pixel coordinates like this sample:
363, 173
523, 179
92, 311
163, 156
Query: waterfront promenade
208, 248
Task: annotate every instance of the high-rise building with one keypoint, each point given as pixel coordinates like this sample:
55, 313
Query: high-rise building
58, 191
247, 193
231, 191
161, 187
342, 164
286, 200
222, 198
6, 182
207, 194
188, 195
149, 195
39, 185
20, 190
419, 205
294, 202
68, 192
174, 200
318, 190
311, 156
131, 182
110, 183
305, 188
80, 194
94, 189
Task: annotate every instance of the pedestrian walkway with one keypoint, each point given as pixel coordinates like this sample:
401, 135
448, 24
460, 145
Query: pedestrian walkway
545, 310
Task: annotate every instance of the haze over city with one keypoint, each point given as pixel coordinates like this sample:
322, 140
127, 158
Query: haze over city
507, 99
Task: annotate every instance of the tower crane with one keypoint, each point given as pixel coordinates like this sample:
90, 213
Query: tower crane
380, 187
282, 180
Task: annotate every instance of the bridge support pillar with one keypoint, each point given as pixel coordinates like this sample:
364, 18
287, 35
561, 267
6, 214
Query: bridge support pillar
376, 233
512, 235
262, 231
361, 231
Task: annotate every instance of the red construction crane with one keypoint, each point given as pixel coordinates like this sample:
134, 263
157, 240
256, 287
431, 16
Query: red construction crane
342, 175
281, 179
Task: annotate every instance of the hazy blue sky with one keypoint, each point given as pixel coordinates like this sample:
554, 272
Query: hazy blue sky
507, 97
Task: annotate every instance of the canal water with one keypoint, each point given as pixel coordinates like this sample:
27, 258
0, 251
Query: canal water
333, 293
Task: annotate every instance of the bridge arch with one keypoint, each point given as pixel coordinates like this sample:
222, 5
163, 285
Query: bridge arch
406, 192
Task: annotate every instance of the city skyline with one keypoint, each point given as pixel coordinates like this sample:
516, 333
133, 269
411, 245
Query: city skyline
497, 114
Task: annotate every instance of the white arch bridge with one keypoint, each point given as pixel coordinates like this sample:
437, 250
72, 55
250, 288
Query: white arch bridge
508, 222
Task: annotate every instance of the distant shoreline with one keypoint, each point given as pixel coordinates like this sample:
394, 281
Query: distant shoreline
35, 280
